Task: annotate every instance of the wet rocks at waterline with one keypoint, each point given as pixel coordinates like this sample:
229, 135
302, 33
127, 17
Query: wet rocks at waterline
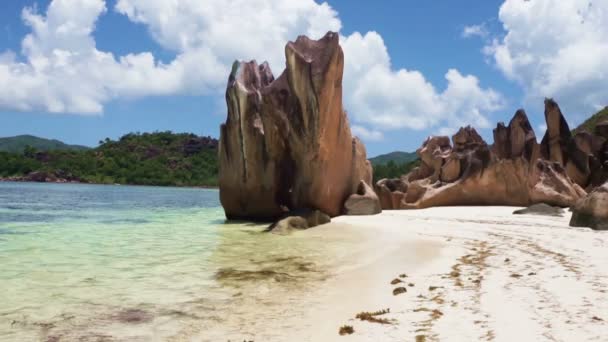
298, 220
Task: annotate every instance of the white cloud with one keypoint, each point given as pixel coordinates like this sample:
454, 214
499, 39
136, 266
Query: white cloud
542, 128
63, 71
235, 29
367, 134
60, 68
556, 49
391, 99
475, 30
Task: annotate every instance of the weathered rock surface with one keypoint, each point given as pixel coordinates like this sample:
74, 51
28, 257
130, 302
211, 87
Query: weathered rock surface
592, 211
540, 209
287, 142
298, 220
515, 171
363, 202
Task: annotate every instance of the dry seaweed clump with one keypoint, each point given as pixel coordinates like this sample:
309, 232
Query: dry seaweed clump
372, 316
399, 290
346, 330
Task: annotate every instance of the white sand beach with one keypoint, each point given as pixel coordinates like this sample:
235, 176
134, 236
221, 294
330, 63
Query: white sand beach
472, 274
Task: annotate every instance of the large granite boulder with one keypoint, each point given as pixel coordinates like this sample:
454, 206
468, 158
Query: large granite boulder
287, 142
363, 202
515, 171
592, 211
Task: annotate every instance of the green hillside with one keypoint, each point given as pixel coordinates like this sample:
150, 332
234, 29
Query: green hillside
18, 143
160, 158
398, 157
589, 124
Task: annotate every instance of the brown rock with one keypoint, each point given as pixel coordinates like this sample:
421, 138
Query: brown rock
516, 140
542, 209
298, 220
555, 142
363, 202
592, 211
450, 171
511, 172
286, 142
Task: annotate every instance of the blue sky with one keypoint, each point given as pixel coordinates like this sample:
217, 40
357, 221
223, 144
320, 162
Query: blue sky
492, 64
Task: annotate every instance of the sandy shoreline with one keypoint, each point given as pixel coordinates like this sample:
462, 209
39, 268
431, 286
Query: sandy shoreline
473, 273
476, 273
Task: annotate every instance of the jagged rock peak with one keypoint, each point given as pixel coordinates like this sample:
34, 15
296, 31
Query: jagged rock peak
286, 143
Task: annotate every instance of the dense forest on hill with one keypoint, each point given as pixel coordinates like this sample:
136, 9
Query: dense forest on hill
393, 169
398, 157
589, 124
159, 158
17, 144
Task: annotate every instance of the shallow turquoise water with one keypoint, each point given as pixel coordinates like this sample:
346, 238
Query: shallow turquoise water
106, 263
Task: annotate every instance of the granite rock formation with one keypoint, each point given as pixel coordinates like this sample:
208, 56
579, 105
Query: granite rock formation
286, 143
515, 170
363, 202
592, 211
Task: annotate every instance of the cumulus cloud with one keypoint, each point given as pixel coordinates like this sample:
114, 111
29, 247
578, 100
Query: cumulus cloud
475, 31
63, 71
367, 134
391, 99
60, 68
555, 49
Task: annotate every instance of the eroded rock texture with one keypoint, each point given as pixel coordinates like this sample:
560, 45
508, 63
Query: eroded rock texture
592, 211
516, 170
286, 143
363, 202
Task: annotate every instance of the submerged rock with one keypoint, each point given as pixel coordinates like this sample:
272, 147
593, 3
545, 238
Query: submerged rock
540, 209
134, 316
363, 202
592, 211
515, 171
286, 142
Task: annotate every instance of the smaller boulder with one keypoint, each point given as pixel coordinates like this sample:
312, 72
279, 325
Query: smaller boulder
363, 202
540, 209
592, 210
299, 220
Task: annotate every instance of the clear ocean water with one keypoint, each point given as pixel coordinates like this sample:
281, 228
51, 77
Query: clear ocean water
129, 263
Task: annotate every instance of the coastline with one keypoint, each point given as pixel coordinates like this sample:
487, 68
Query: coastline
463, 274
63, 181
471, 273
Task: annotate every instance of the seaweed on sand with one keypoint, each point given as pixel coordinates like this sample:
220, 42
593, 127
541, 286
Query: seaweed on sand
372, 316
346, 330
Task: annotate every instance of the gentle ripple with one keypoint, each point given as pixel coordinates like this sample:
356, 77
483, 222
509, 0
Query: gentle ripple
91, 262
